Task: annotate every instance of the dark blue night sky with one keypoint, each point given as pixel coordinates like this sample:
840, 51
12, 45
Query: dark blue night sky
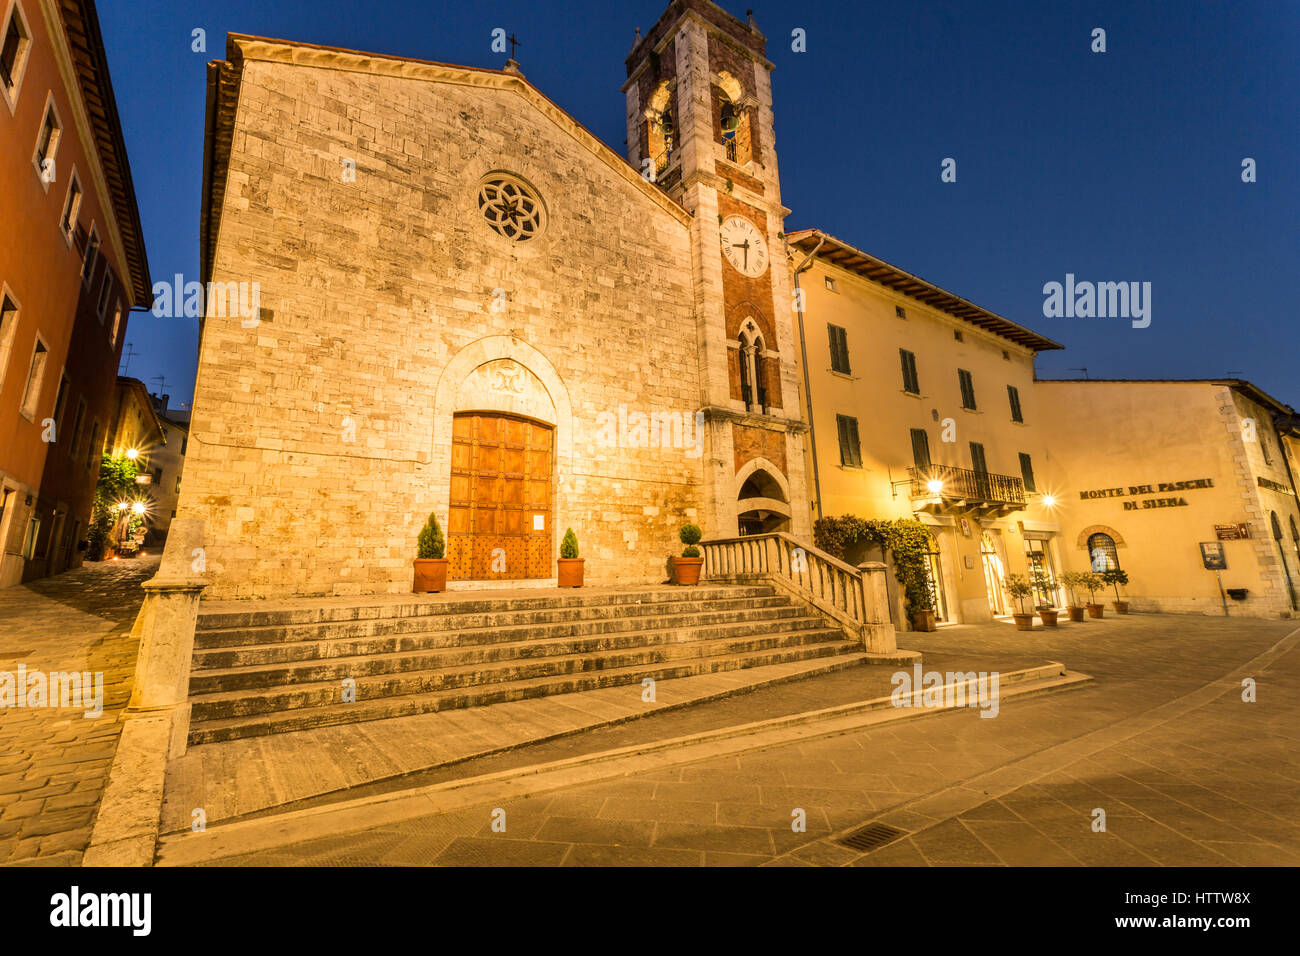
1122, 166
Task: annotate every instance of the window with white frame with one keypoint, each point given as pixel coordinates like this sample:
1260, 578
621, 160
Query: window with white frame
117, 324
92, 255
71, 207
35, 379
47, 144
8, 325
105, 290
15, 46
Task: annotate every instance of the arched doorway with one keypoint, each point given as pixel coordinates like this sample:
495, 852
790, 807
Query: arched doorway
761, 504
934, 579
500, 511
994, 572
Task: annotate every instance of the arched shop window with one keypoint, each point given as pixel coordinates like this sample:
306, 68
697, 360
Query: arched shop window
1102, 553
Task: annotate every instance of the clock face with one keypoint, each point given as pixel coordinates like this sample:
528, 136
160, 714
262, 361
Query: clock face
743, 246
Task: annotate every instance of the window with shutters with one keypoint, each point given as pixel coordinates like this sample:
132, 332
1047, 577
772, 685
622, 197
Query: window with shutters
850, 453
839, 349
1013, 396
1027, 472
910, 383
921, 449
977, 461
967, 384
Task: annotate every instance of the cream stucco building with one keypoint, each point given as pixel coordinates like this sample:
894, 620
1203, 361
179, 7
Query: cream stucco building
1152, 476
923, 405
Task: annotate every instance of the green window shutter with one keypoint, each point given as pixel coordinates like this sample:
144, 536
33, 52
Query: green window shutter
850, 453
977, 460
967, 388
1027, 472
910, 383
1013, 395
921, 449
839, 349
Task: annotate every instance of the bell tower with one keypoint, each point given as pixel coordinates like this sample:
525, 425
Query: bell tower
699, 125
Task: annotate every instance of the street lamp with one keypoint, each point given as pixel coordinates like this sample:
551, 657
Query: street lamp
133, 453
934, 486
138, 507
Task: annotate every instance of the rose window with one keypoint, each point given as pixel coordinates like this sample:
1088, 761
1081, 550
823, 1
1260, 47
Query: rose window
510, 207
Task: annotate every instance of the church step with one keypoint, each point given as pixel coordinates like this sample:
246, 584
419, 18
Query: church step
506, 656
456, 603
609, 630
590, 619
243, 701
230, 728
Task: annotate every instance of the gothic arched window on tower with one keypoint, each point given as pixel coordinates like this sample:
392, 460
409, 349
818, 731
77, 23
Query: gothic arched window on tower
746, 371
733, 120
661, 128
753, 377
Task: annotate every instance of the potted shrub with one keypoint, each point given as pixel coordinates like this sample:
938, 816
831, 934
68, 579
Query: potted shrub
1042, 581
430, 565
687, 567
1073, 580
1093, 583
1115, 577
570, 575
1018, 587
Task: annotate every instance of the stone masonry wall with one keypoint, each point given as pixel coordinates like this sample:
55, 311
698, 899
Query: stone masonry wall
321, 436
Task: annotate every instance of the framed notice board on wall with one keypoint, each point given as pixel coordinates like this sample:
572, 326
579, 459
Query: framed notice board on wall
1212, 556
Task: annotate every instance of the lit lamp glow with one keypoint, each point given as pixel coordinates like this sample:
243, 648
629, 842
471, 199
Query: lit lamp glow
138, 507
133, 453
121, 506
1049, 501
934, 486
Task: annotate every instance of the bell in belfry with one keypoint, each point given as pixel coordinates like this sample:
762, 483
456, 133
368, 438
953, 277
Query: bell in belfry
730, 117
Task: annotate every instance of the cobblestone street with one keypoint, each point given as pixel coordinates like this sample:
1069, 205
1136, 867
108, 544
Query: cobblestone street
1186, 772
54, 761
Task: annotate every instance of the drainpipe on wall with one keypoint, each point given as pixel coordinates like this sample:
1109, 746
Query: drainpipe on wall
807, 385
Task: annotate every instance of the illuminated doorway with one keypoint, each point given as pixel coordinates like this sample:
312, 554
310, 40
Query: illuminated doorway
994, 572
934, 579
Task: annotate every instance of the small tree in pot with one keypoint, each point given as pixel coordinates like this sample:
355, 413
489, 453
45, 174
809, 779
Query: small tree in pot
430, 565
1115, 577
1018, 587
570, 565
1042, 582
1075, 580
1093, 582
687, 567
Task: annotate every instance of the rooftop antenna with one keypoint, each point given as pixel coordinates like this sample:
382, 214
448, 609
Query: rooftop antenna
126, 358
1083, 369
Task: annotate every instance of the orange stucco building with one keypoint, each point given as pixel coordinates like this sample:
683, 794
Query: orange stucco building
72, 265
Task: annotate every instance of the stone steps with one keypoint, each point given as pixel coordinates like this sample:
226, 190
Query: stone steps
236, 651
230, 728
282, 669
336, 660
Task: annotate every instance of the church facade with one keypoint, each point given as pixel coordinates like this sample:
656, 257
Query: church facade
467, 305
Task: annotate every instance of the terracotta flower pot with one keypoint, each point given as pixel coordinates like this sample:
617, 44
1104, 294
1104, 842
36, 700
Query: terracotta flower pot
1121, 607
430, 575
1076, 613
687, 570
1048, 616
923, 620
570, 575
1024, 622
1096, 610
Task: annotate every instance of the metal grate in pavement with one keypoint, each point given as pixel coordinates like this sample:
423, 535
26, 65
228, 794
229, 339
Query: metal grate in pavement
872, 837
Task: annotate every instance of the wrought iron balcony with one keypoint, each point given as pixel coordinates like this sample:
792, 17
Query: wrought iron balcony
949, 487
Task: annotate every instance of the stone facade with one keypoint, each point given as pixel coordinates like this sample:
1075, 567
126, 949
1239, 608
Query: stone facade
321, 431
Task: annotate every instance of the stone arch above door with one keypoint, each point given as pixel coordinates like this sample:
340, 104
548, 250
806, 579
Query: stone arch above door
503, 374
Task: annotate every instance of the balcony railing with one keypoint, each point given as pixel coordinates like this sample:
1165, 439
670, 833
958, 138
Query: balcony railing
962, 484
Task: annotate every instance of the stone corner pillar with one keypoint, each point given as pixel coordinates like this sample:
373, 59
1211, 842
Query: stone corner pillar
877, 628
166, 630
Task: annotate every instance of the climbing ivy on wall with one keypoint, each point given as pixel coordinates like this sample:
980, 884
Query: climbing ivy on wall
906, 538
